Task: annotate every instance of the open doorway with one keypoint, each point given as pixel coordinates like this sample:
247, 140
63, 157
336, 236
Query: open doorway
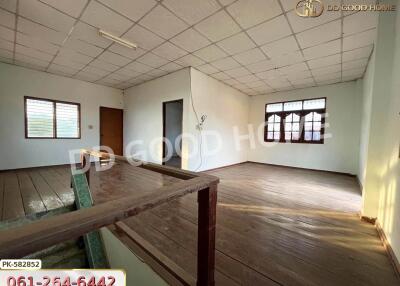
172, 129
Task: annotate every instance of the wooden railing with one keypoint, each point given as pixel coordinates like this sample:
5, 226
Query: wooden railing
23, 240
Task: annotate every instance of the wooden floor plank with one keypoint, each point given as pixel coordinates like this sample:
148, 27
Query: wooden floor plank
14, 207
60, 187
30, 197
49, 197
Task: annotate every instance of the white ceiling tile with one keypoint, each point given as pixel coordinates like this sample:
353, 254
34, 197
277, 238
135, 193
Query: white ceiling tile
359, 22
236, 44
326, 49
320, 34
6, 45
303, 82
293, 76
143, 38
37, 43
237, 72
238, 85
10, 5
7, 19
286, 88
356, 54
88, 34
33, 53
269, 75
226, 2
190, 40
278, 83
170, 67
296, 68
358, 72
157, 72
327, 70
231, 81
221, 76
192, 11
66, 61
74, 56
163, 22
359, 2
62, 70
126, 52
35, 30
218, 26
139, 67
264, 89
256, 83
30, 62
272, 30
190, 60
288, 59
289, 4
152, 60
86, 76
280, 47
169, 51
210, 53
133, 9
108, 82
71, 7
361, 63
82, 47
249, 57
300, 24
329, 81
126, 73
6, 56
104, 65
329, 76
225, 64
45, 15
7, 34
359, 40
101, 17
350, 78
325, 61
113, 58
94, 70
261, 66
252, 12
207, 69
247, 79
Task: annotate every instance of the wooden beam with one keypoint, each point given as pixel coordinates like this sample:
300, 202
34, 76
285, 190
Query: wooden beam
207, 210
21, 241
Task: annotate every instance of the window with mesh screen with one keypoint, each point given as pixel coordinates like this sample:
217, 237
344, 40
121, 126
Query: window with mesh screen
300, 121
46, 118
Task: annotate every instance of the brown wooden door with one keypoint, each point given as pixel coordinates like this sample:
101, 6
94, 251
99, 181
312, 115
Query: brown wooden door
111, 128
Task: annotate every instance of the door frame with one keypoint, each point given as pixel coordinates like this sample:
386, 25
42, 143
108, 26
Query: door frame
122, 137
164, 105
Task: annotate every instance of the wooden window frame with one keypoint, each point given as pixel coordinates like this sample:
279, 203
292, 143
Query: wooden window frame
302, 113
54, 118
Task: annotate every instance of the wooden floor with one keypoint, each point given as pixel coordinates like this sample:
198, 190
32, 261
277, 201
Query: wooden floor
275, 225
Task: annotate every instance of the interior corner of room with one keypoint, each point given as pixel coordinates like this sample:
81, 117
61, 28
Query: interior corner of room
332, 197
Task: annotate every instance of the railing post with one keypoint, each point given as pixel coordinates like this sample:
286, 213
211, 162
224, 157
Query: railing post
207, 199
85, 159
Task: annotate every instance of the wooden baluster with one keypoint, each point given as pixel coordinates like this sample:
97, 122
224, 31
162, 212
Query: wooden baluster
207, 200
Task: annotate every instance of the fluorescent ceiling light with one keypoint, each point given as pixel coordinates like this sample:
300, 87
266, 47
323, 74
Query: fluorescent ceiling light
117, 39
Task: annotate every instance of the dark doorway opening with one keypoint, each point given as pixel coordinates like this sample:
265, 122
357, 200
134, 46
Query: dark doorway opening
172, 129
111, 129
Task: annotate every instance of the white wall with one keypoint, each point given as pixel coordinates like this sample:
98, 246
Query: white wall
17, 82
381, 194
339, 152
225, 108
143, 113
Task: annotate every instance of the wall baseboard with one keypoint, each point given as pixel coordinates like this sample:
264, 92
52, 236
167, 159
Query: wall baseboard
301, 168
388, 248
